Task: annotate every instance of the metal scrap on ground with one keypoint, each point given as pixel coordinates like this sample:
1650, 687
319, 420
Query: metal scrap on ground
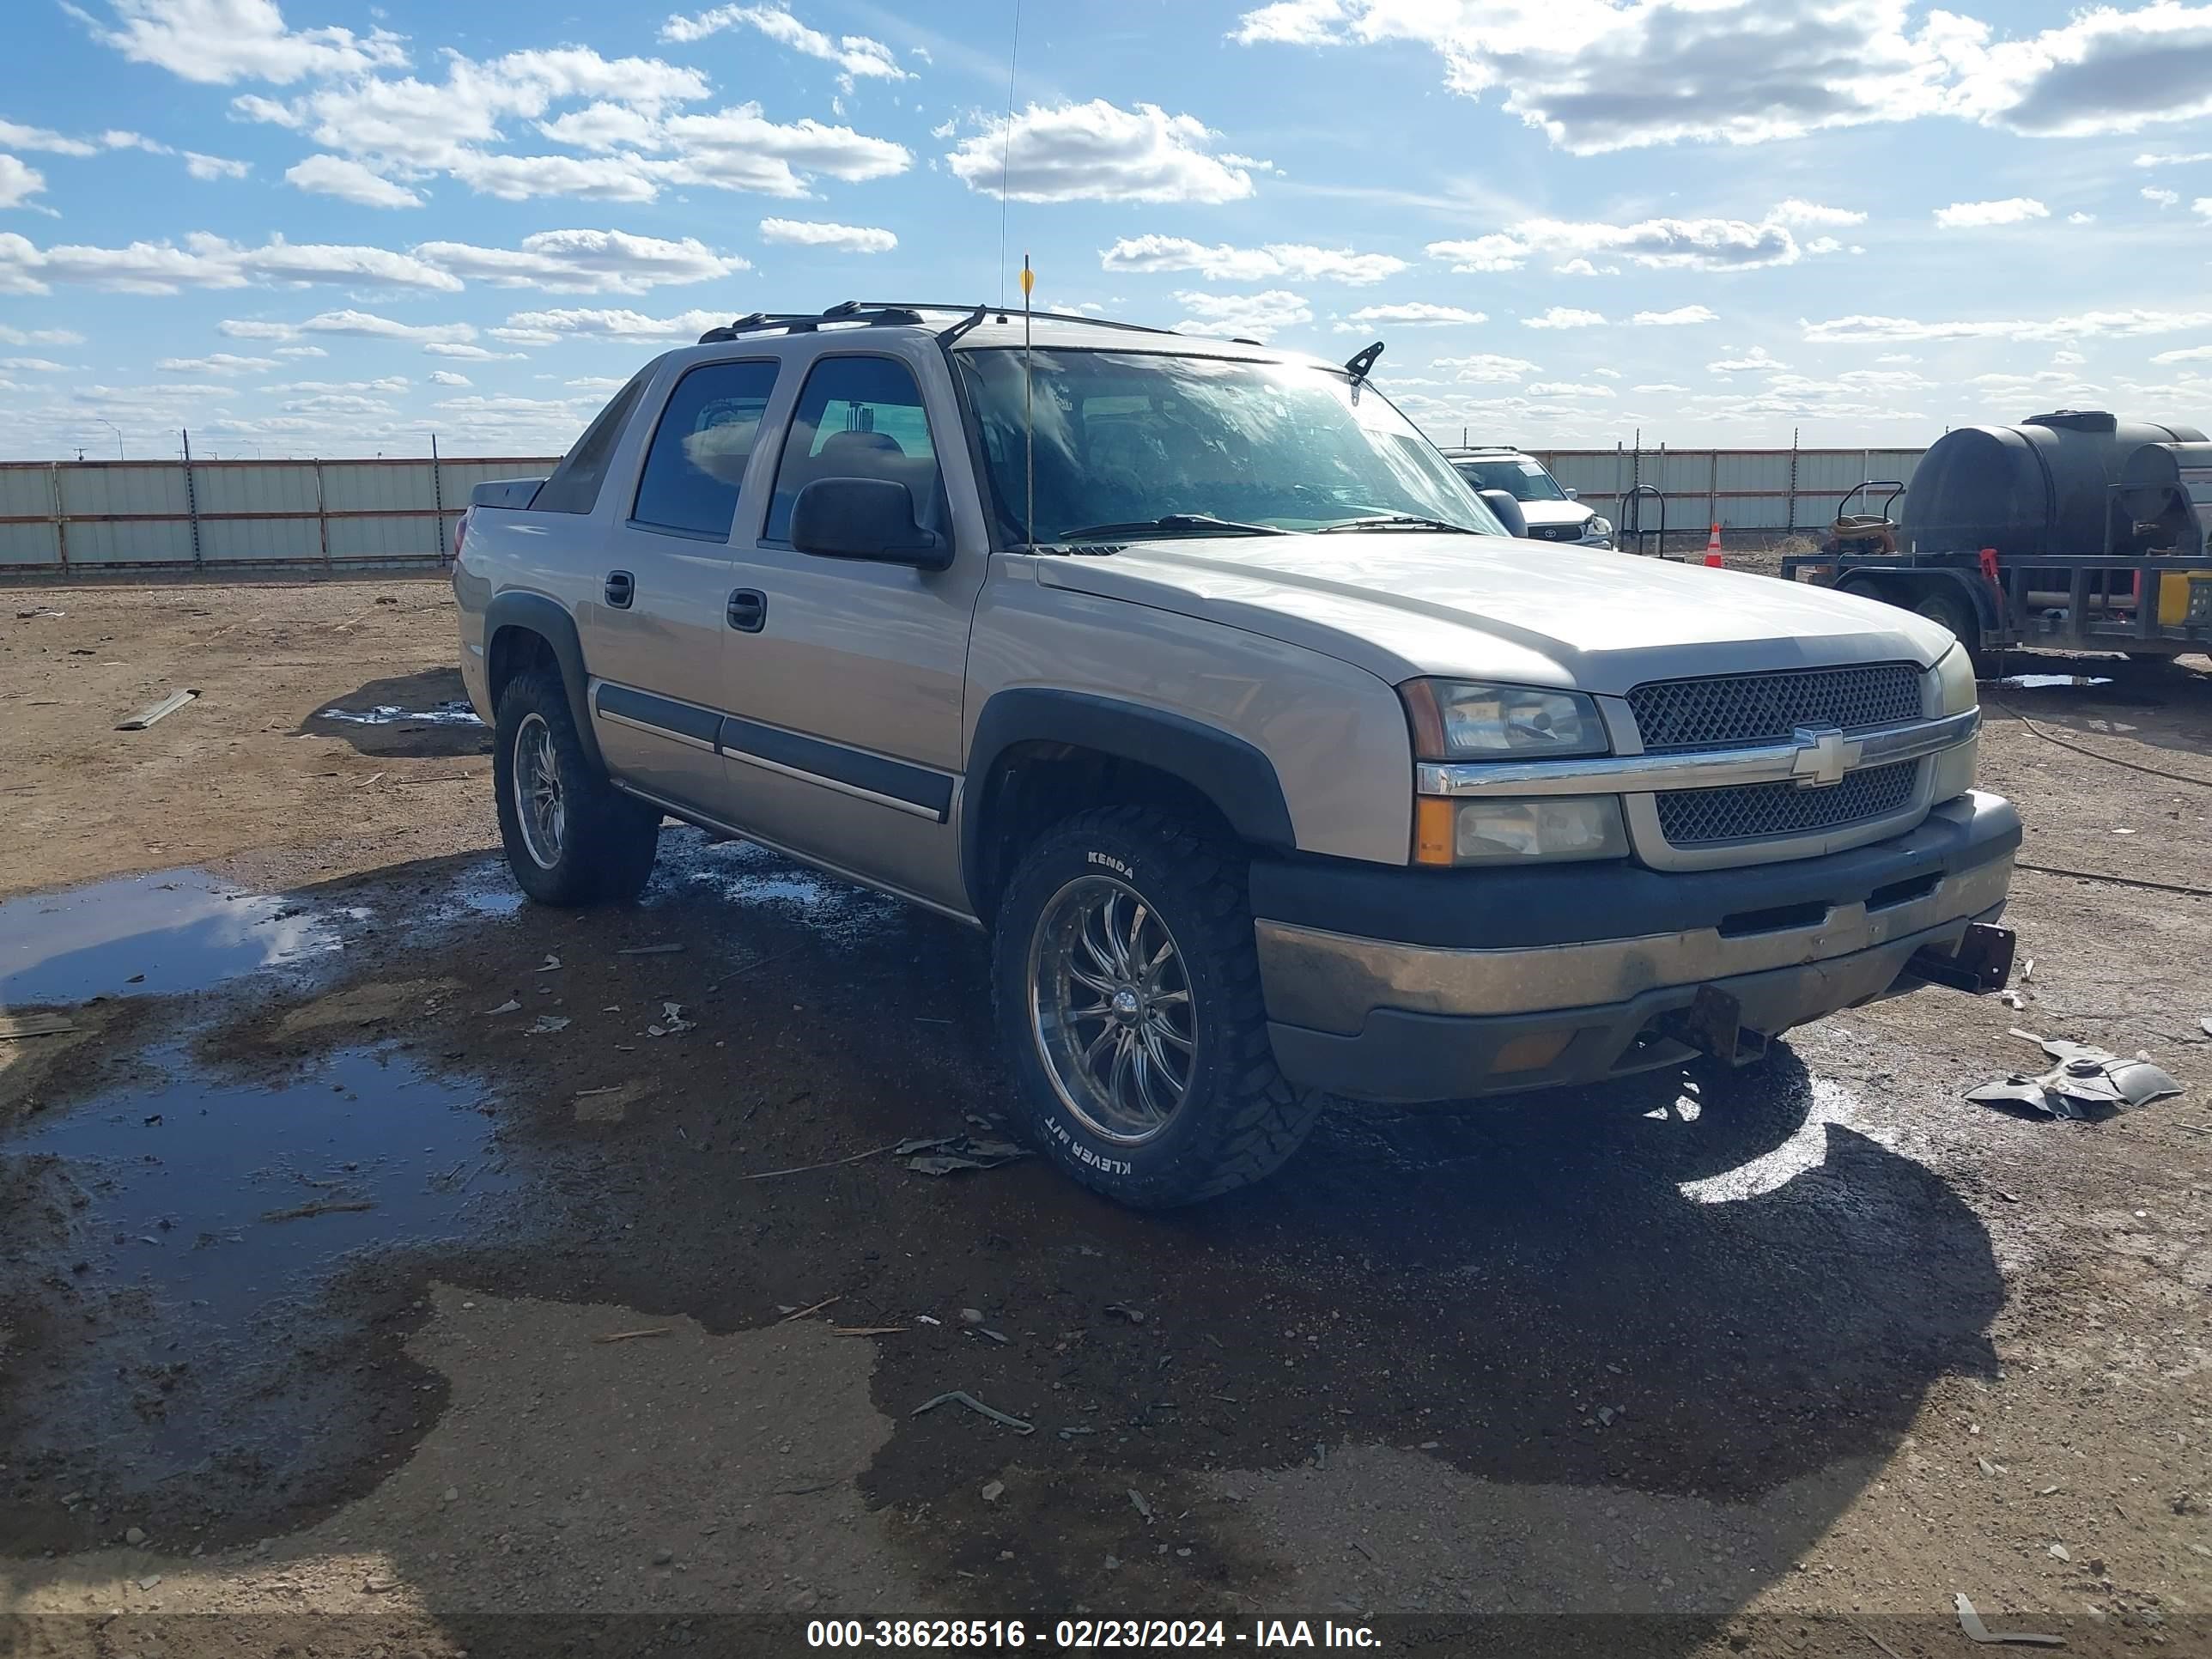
946, 1154
146, 716
2087, 1084
960, 1397
1971, 1622
31, 1025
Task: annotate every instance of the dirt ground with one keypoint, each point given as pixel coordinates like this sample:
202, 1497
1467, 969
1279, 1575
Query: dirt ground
345, 1309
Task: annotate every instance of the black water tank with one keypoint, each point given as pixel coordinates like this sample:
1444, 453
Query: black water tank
2040, 487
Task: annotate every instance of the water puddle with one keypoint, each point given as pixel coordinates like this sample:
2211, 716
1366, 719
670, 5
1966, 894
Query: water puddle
194, 1220
179, 930
2045, 682
457, 713
741, 873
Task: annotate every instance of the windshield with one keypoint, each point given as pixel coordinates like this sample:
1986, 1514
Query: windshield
1523, 480
1129, 439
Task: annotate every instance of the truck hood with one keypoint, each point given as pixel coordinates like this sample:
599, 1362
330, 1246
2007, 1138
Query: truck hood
1575, 512
1401, 604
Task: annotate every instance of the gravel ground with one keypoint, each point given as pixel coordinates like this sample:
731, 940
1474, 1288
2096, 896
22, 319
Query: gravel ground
309, 1257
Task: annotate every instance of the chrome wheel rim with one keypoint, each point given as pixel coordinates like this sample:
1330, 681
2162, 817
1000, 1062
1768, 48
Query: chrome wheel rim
1111, 1009
539, 810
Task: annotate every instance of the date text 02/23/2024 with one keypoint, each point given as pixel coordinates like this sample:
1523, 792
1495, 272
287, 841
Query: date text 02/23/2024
1086, 1634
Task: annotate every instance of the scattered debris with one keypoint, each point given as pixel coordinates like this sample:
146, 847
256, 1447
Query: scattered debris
1134, 1315
146, 716
971, 1315
960, 1397
1871, 1636
672, 1022
456, 712
149, 1581
801, 1313
550, 962
1137, 1499
946, 1154
649, 950
993, 1491
1971, 1622
134, 1536
2087, 1084
2012, 1000
321, 1206
866, 1330
548, 1023
508, 1006
804, 1169
926, 1320
2059, 1551
632, 1336
32, 1025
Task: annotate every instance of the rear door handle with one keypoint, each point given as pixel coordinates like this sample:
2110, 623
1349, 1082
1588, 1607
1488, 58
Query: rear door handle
748, 610
622, 588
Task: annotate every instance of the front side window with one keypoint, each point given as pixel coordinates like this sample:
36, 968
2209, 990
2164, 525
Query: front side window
858, 417
697, 462
1523, 480
1126, 438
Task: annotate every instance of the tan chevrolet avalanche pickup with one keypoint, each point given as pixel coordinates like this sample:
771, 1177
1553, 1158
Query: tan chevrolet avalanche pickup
1275, 768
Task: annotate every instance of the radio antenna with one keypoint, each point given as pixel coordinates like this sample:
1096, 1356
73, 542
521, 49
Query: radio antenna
1028, 418
1007, 149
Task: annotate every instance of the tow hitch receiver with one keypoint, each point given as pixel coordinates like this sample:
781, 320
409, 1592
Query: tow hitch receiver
1982, 964
1713, 1024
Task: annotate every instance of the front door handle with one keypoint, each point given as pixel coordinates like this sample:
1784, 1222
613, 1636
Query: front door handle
622, 588
748, 610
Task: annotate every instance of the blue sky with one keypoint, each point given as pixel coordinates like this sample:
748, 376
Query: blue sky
334, 228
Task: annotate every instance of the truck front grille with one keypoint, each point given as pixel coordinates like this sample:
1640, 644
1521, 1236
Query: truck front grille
1739, 710
1772, 812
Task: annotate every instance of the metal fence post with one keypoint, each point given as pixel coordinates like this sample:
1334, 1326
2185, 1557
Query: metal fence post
322, 516
192, 499
1713, 487
61, 523
438, 497
1793, 480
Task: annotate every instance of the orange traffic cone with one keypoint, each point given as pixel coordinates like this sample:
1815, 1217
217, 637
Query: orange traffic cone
1713, 560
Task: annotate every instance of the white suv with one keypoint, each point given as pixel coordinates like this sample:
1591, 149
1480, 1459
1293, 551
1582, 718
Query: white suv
1553, 515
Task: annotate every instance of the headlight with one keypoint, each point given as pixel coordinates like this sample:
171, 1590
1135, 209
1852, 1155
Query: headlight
1953, 771
1464, 720
1567, 828
1600, 526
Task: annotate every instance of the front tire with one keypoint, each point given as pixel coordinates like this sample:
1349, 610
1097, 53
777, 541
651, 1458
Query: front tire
571, 837
1128, 991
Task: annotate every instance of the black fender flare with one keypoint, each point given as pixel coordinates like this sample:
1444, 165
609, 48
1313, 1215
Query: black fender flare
534, 613
1236, 776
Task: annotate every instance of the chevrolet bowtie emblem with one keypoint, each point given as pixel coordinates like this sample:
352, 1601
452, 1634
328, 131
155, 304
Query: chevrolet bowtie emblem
1824, 754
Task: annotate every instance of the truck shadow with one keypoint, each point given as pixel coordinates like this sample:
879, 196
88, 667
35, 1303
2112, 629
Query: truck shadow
407, 715
2165, 704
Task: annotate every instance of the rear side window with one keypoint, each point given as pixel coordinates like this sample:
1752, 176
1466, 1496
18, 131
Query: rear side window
858, 417
697, 461
574, 485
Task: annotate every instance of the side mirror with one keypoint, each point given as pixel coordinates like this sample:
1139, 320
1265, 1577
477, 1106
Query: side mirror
1501, 502
864, 519
1574, 494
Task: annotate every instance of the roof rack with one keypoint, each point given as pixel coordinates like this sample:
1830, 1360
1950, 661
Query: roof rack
894, 313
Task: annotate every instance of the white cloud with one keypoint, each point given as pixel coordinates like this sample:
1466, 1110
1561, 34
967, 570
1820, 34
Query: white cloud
2104, 70
61, 336
1658, 387
1868, 330
1417, 313
1100, 152
475, 354
603, 126
1799, 213
856, 56
32, 366
2187, 354
360, 324
2080, 218
1757, 360
206, 261
1222, 262
302, 351
1250, 316
387, 383
519, 178
842, 239
585, 262
1486, 368
13, 135
740, 148
600, 383
349, 181
18, 183
2146, 160
201, 165
543, 327
1655, 243
223, 40
1971, 216
1565, 317
2164, 198
1680, 317
1568, 388
215, 363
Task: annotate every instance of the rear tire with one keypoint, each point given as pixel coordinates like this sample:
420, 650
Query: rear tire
1128, 992
571, 837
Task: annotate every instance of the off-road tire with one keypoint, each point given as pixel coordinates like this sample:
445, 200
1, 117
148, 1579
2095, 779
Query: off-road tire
1240, 1119
608, 840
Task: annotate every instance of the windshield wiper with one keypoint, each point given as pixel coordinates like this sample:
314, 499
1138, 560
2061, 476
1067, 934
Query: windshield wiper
1171, 523
1395, 521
